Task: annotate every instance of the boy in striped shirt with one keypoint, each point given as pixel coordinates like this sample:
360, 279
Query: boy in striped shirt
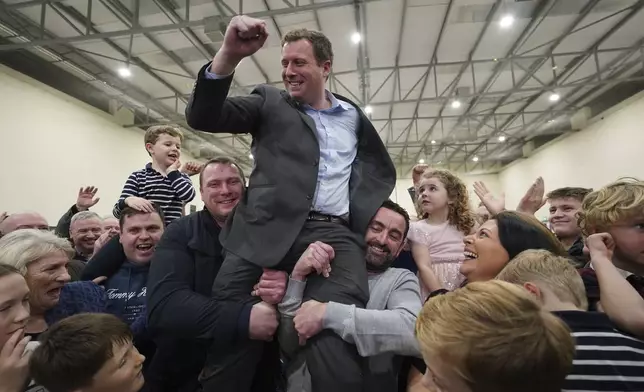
163, 181
605, 359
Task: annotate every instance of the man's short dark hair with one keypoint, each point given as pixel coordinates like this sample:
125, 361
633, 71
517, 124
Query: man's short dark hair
322, 48
222, 161
395, 207
129, 211
569, 192
73, 350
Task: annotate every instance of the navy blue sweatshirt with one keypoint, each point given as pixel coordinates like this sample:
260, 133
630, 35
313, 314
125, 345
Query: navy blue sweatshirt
126, 291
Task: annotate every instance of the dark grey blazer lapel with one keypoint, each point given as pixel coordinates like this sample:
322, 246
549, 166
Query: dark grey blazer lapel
297, 106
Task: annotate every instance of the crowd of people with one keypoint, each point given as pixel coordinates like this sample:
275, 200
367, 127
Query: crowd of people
323, 283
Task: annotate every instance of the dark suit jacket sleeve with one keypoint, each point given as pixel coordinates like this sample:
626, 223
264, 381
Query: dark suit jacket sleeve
209, 110
62, 228
173, 305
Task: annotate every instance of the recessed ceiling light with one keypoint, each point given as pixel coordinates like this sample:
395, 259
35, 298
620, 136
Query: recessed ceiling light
495, 59
554, 67
456, 104
501, 138
433, 141
355, 38
475, 159
554, 97
125, 72
506, 21
421, 161
368, 109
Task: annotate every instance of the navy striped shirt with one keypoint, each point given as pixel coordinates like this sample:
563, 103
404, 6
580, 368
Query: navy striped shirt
605, 359
169, 193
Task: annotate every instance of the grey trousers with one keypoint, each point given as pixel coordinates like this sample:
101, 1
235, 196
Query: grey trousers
334, 365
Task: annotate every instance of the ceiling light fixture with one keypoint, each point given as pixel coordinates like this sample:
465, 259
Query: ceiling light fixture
421, 161
551, 121
506, 21
456, 104
475, 159
356, 38
125, 72
368, 109
554, 67
433, 141
251, 156
554, 97
501, 138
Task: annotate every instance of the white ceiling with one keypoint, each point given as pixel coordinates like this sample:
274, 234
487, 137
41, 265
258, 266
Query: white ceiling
415, 59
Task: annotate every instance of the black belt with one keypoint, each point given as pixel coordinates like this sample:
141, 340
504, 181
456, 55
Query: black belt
318, 217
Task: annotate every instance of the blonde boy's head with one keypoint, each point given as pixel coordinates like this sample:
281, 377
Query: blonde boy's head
617, 202
493, 336
552, 275
618, 209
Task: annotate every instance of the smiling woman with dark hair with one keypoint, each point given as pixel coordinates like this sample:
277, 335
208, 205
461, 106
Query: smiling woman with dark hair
500, 239
494, 244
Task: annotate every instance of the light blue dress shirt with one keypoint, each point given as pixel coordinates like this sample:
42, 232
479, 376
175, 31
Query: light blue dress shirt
336, 132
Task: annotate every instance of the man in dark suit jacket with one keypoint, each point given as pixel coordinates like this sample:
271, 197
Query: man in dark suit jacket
321, 172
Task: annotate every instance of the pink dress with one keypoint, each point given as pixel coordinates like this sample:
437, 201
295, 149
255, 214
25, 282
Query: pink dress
445, 243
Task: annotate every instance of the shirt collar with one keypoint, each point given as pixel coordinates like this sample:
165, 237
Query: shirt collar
577, 319
336, 104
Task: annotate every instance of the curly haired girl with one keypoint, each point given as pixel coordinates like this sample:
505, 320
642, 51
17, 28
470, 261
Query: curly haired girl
437, 239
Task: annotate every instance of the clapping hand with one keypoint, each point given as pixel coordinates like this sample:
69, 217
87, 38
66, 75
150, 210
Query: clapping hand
493, 205
533, 199
86, 198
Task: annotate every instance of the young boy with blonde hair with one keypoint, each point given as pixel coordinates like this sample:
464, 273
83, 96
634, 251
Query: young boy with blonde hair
617, 210
492, 337
163, 181
606, 359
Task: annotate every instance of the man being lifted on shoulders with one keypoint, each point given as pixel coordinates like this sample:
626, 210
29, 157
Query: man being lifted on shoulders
321, 173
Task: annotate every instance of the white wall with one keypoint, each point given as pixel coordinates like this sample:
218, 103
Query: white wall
609, 148
53, 144
401, 196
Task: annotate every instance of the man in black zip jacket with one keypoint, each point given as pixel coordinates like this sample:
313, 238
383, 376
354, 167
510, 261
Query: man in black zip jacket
182, 315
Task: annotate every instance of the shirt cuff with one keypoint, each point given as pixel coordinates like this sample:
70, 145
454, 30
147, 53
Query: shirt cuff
293, 296
336, 316
212, 75
173, 175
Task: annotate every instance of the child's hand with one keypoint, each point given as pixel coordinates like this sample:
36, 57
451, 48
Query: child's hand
175, 166
600, 245
191, 168
139, 204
